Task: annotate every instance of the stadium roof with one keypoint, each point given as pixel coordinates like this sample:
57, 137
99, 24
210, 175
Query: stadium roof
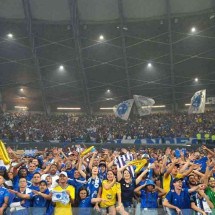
71, 52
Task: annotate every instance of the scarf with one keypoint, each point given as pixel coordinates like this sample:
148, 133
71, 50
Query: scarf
205, 205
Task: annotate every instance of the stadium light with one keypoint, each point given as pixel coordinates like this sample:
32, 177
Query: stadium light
149, 65
10, 36
61, 67
108, 91
193, 29
22, 90
21, 107
101, 37
196, 79
68, 108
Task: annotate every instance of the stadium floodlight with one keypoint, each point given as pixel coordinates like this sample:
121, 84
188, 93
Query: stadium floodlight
193, 29
10, 36
68, 108
196, 80
159, 106
21, 107
108, 90
149, 65
106, 108
61, 67
21, 90
101, 37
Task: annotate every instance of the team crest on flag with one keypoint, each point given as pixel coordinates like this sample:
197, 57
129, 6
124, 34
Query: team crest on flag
144, 104
197, 104
123, 109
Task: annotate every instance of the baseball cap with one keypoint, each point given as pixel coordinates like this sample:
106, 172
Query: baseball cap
149, 182
102, 164
63, 173
177, 179
43, 181
145, 156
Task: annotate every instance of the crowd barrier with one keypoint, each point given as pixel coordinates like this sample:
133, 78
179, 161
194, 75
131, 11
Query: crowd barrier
90, 211
109, 145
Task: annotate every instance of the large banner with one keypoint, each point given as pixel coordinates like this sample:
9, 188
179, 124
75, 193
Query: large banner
197, 104
144, 104
123, 109
166, 140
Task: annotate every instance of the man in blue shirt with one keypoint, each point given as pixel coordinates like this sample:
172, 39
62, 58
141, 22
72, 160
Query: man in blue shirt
4, 196
35, 181
178, 199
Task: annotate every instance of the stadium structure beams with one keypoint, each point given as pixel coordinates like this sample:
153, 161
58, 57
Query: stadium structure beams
122, 21
73, 8
172, 74
28, 17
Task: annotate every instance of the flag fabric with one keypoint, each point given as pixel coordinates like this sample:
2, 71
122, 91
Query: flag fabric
197, 104
123, 109
139, 164
60, 196
144, 104
122, 160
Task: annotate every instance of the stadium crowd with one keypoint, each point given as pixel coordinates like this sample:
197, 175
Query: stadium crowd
31, 127
59, 181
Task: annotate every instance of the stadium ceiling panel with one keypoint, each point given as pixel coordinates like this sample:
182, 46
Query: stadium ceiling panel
115, 44
100, 11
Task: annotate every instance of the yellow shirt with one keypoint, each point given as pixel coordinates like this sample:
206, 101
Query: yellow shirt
110, 194
61, 209
167, 181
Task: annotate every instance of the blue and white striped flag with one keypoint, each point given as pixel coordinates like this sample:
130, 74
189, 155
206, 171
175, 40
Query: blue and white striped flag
122, 160
197, 104
123, 109
144, 104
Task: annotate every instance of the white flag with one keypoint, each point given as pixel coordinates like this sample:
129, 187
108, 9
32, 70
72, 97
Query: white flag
144, 104
123, 109
198, 102
60, 196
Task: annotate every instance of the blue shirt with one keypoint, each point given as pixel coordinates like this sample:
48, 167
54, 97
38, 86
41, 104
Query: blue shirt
77, 183
149, 199
93, 186
27, 202
181, 201
202, 162
102, 175
40, 204
33, 187
70, 173
3, 193
84, 206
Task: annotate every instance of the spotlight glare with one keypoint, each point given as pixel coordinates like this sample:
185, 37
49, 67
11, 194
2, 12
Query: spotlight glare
108, 91
10, 35
101, 37
61, 67
149, 65
21, 90
193, 29
196, 79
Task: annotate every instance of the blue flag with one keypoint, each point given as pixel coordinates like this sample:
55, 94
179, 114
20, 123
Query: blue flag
123, 109
197, 104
